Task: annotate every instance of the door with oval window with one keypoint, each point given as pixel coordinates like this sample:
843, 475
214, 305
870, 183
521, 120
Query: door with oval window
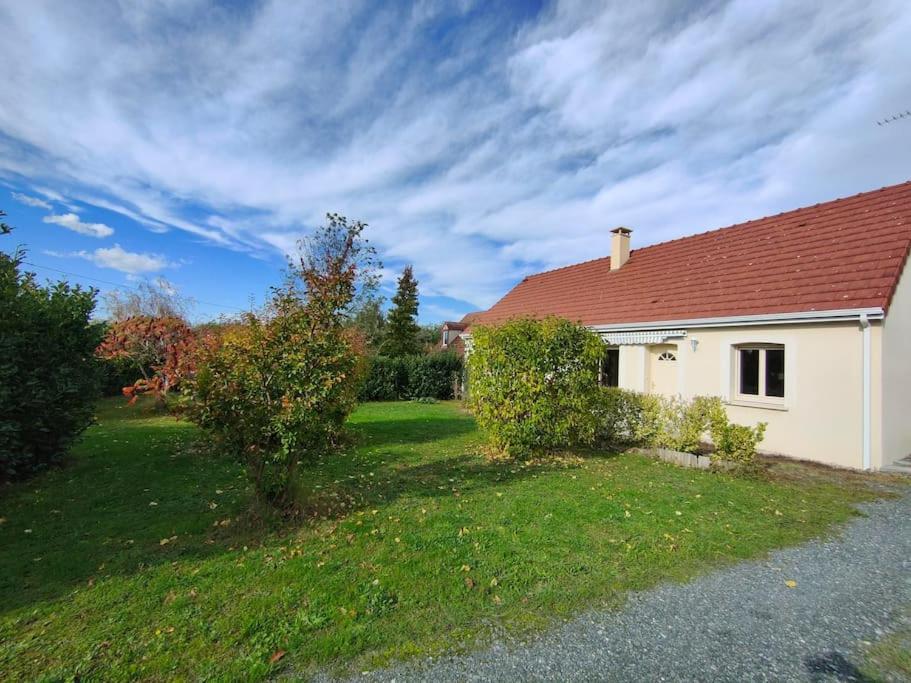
663, 373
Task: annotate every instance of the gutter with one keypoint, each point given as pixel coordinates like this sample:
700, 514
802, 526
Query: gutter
804, 317
867, 391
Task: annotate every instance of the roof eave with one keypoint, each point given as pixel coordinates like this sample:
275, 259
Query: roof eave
795, 318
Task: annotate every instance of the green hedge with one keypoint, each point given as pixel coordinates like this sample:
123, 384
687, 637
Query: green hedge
408, 377
534, 385
49, 376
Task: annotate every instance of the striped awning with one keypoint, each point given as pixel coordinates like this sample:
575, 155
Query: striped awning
647, 337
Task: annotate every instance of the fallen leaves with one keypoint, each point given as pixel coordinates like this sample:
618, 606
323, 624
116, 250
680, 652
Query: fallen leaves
790, 583
276, 656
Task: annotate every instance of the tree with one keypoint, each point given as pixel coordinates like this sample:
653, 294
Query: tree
162, 350
336, 270
370, 321
430, 335
4, 228
158, 299
48, 374
277, 391
401, 323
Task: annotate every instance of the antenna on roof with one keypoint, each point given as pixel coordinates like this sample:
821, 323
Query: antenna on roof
901, 115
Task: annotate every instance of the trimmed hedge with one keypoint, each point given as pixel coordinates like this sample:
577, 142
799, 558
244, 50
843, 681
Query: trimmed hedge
409, 377
534, 385
49, 377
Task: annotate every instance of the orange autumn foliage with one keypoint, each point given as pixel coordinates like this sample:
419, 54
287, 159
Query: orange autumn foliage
163, 349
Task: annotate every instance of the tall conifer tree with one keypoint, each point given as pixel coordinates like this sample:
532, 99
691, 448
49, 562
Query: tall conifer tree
401, 336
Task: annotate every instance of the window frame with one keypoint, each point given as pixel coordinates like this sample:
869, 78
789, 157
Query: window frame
601, 371
761, 397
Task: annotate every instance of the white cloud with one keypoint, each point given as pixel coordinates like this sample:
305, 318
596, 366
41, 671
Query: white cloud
71, 221
31, 201
503, 149
125, 261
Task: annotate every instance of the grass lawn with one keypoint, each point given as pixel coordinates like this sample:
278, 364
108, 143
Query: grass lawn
141, 559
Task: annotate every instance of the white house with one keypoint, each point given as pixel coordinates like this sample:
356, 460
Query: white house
801, 320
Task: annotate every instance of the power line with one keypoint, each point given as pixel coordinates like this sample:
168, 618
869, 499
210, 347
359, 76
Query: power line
896, 117
115, 284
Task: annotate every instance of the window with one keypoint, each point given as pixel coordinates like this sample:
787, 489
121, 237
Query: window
445, 337
760, 371
667, 356
609, 372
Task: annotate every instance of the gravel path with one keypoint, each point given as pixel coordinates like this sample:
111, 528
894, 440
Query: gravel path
737, 624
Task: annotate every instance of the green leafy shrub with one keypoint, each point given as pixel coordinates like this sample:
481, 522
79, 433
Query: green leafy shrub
277, 389
276, 396
386, 379
534, 384
49, 377
736, 443
628, 418
433, 375
407, 377
621, 419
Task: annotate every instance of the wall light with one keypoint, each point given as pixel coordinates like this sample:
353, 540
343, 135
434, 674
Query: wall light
693, 344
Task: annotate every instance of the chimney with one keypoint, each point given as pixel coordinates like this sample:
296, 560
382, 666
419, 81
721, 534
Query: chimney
619, 247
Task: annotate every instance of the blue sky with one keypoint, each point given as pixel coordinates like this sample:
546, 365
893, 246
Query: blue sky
197, 141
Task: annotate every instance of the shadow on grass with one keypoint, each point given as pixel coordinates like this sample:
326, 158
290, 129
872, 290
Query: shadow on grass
413, 431
123, 492
137, 496
457, 475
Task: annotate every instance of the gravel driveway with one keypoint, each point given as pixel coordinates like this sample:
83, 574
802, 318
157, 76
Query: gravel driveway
742, 623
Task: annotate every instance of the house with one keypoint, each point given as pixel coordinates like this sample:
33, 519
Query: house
451, 337
801, 320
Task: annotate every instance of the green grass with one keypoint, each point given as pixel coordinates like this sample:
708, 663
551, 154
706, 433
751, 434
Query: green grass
141, 558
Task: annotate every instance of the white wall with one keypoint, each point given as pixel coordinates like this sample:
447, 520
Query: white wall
821, 416
896, 375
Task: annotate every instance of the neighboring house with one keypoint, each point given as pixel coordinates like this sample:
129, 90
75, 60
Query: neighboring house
801, 320
451, 337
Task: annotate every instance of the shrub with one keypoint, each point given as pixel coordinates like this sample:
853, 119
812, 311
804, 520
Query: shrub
276, 396
49, 377
278, 388
534, 384
630, 418
408, 377
620, 417
737, 443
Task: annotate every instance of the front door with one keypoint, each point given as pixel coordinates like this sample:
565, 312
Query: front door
663, 369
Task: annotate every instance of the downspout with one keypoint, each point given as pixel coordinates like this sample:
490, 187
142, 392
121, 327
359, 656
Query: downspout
867, 393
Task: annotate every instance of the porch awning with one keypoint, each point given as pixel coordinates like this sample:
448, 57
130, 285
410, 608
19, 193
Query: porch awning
648, 337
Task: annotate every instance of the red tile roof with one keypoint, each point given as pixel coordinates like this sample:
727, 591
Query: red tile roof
842, 254
462, 324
